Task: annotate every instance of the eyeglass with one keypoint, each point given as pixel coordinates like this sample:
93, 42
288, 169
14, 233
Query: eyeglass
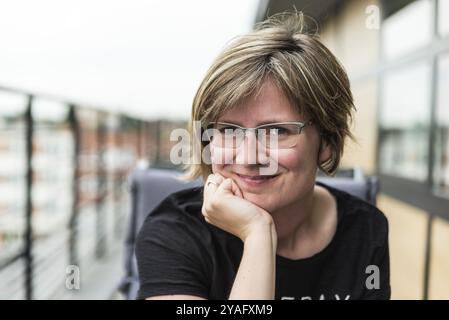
278, 135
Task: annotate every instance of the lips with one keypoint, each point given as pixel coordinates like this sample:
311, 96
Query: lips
256, 180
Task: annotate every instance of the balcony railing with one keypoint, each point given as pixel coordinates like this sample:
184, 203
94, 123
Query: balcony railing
63, 187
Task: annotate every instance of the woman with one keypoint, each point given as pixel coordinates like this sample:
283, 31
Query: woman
275, 107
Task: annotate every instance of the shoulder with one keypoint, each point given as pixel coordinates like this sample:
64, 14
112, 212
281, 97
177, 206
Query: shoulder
179, 212
173, 249
181, 205
360, 216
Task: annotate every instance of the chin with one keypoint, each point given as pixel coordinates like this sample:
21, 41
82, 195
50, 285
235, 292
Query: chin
261, 201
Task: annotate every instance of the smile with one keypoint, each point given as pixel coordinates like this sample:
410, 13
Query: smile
256, 180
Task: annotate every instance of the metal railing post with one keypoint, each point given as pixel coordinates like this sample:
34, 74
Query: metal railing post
100, 249
28, 236
73, 223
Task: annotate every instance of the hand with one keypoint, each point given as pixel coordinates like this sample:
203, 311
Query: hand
225, 207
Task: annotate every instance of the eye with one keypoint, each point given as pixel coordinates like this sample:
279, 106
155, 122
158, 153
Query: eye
282, 130
226, 129
276, 130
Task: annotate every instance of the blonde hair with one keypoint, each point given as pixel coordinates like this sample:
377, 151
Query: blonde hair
302, 67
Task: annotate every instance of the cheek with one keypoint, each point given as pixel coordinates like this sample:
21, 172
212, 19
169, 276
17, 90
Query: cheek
289, 159
219, 158
300, 157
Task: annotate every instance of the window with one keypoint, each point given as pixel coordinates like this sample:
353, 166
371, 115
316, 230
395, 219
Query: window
408, 29
443, 17
441, 173
404, 121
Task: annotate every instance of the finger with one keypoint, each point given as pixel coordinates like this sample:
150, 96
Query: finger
235, 189
219, 178
211, 185
225, 186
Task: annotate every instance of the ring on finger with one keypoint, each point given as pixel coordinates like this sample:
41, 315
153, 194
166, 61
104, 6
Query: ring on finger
213, 182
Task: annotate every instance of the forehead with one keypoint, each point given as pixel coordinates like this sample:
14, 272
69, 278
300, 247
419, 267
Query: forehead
269, 105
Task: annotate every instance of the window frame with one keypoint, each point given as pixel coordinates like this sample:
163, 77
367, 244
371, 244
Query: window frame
416, 193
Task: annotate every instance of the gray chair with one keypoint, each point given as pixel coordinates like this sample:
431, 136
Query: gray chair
354, 182
150, 186
147, 187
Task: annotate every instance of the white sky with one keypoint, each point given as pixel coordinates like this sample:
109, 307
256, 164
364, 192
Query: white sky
143, 57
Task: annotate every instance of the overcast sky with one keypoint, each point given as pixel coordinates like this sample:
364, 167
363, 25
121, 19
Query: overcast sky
143, 57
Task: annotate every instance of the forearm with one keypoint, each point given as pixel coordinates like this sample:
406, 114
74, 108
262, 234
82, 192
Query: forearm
255, 277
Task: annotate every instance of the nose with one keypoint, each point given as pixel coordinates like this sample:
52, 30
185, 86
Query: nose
251, 151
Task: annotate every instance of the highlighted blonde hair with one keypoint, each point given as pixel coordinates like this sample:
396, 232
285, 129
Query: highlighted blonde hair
302, 67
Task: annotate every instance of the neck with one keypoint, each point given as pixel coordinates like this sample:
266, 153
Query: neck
293, 221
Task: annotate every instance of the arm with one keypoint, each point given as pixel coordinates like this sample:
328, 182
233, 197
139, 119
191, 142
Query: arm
255, 278
225, 207
161, 249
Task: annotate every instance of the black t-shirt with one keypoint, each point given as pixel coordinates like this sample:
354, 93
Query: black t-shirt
178, 252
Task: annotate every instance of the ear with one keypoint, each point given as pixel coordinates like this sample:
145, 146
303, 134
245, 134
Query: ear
325, 152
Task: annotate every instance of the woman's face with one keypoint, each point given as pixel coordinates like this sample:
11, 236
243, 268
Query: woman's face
294, 168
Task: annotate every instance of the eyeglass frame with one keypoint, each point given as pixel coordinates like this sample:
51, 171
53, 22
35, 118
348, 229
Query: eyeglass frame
301, 125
